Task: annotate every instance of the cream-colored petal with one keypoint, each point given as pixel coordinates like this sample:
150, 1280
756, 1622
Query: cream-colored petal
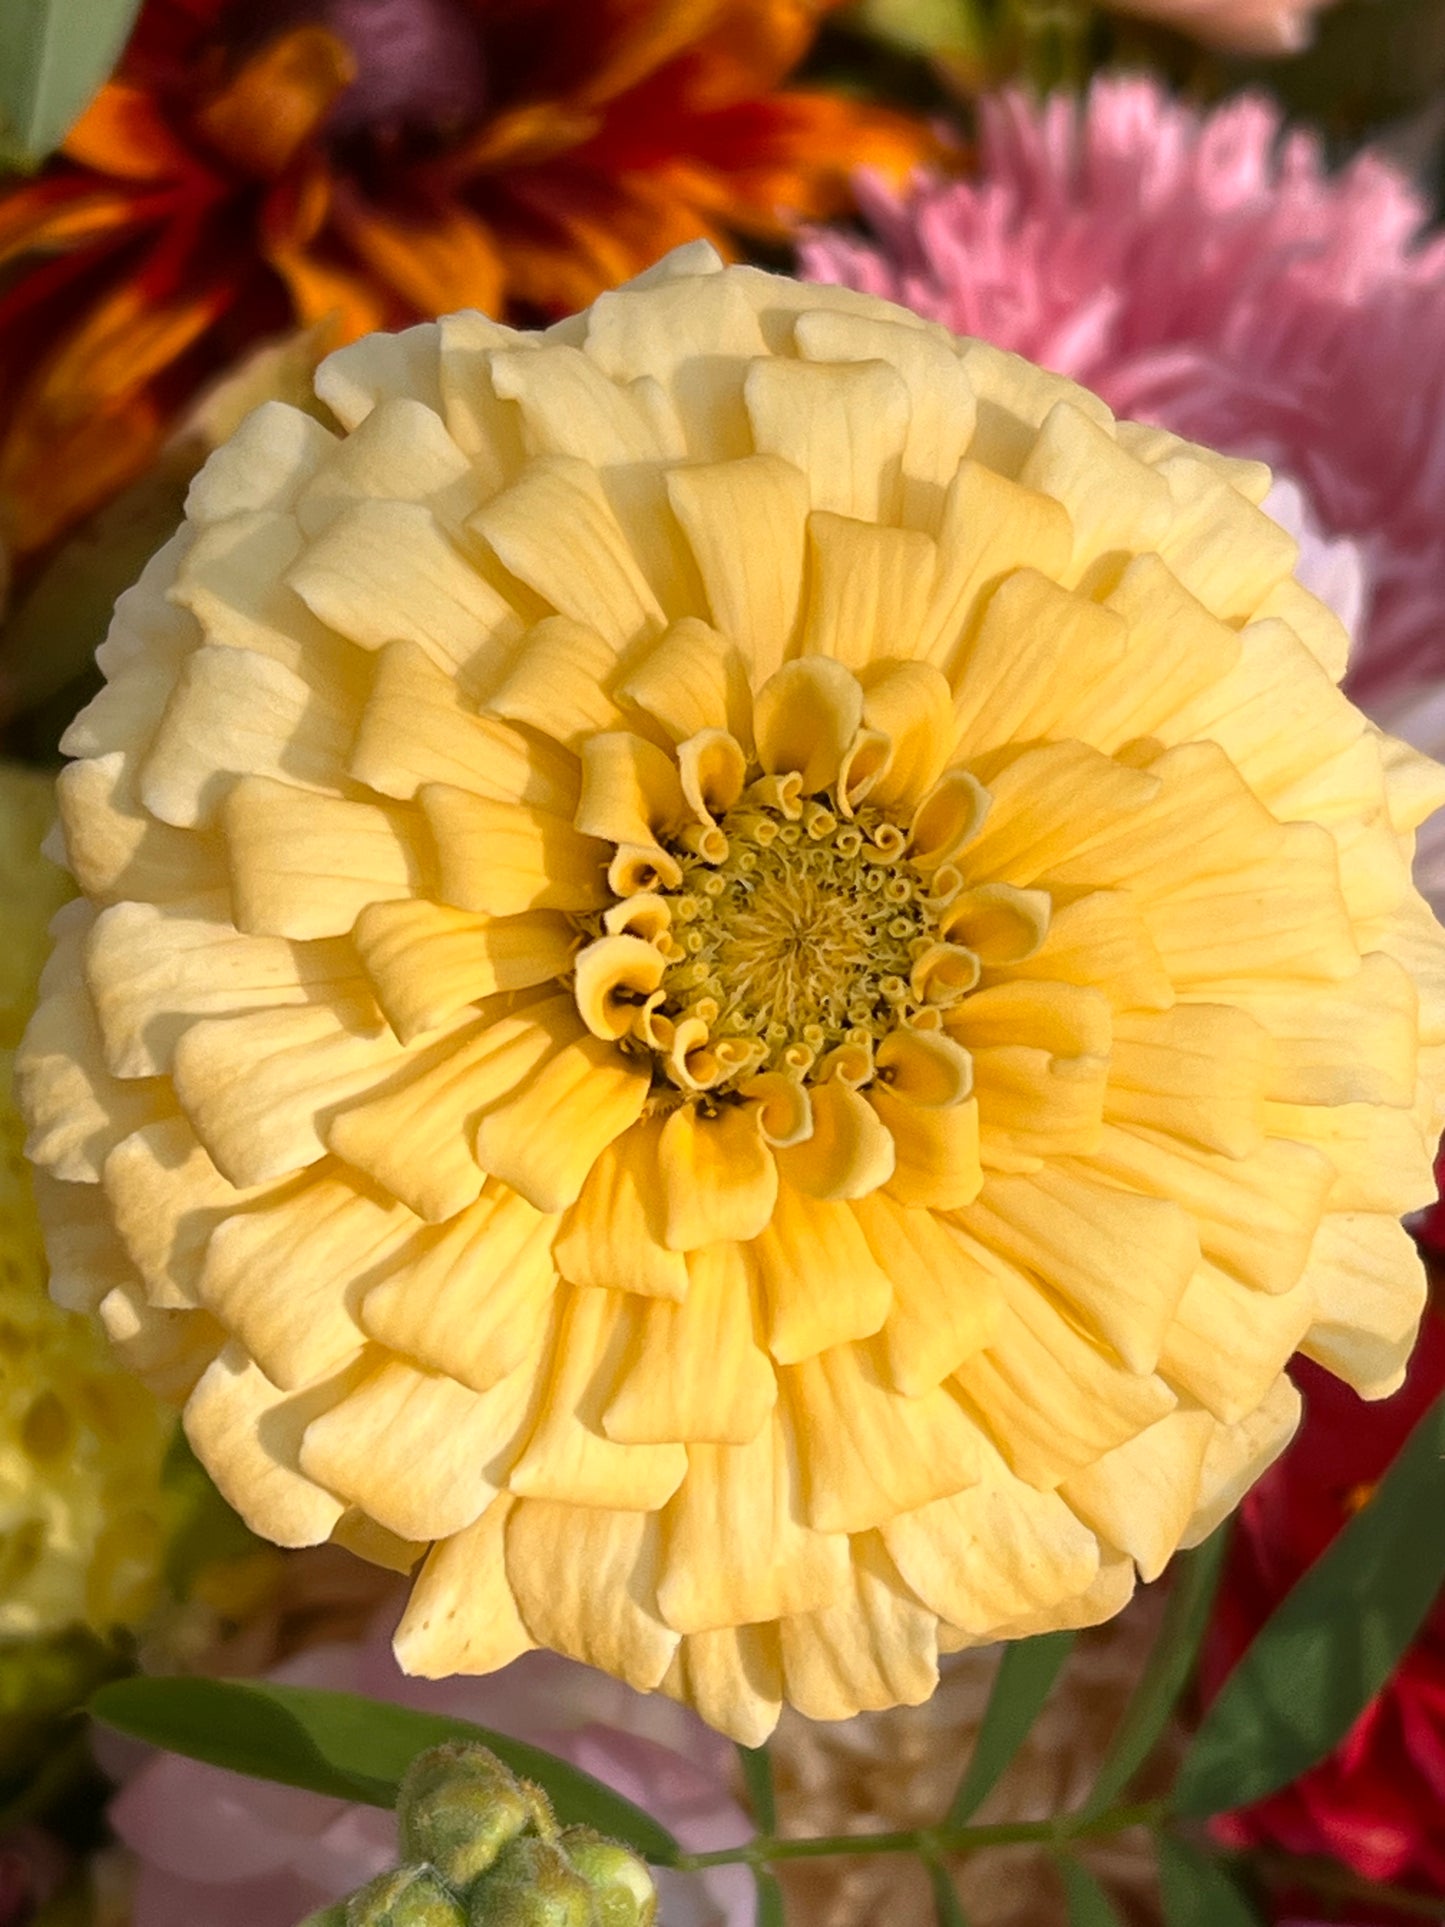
1035, 652
1198, 1071
169, 1351
910, 703
236, 713
417, 729
735, 1549
1254, 1216
936, 1148
165, 1198
259, 1089
488, 428
117, 851
804, 718
990, 527
426, 962
1382, 1159
868, 1453
153, 969
820, 1281
1317, 626
613, 1235
868, 589
719, 1178
462, 1616
556, 683
630, 790
876, 1647
555, 530
75, 1111
1222, 548
389, 572
420, 1454
502, 858
1014, 402
265, 465
1048, 803
945, 1305
232, 580
354, 379
994, 1553
1354, 1042
1052, 1399
692, 679
745, 521
849, 1151
1229, 1343
700, 1373
84, 1259
1034, 1105
585, 1581
472, 1298
303, 866
413, 1136
1369, 1289
569, 1456
1099, 939
734, 1677
544, 1138
1142, 1495
1117, 504
401, 452
1239, 1454
248, 1436
842, 424
286, 1278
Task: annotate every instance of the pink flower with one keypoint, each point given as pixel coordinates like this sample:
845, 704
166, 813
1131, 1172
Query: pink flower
216, 1850
1204, 272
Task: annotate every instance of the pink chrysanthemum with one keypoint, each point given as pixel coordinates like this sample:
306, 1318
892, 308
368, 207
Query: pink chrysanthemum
1203, 271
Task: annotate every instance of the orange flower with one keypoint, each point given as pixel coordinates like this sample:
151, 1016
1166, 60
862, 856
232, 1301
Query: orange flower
261, 162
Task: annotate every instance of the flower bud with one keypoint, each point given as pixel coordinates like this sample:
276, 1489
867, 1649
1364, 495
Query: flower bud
531, 1885
459, 1806
623, 1894
405, 1897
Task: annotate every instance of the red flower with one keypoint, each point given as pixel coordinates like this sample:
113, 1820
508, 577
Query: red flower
1376, 1802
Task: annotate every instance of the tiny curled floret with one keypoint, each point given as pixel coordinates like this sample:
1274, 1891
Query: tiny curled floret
740, 981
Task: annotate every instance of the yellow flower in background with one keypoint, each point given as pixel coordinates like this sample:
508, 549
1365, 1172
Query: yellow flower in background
741, 968
81, 1443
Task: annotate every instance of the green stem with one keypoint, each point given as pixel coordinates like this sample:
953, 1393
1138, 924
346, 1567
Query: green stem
930, 1841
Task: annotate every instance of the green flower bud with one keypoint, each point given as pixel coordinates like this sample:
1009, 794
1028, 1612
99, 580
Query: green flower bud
623, 1894
405, 1897
531, 1885
459, 1806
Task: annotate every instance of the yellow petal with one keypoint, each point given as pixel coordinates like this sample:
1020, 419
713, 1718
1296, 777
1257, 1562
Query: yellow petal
692, 679
911, 704
401, 452
1237, 1456
745, 522
1142, 1495
613, 1235
555, 684
471, 1299
936, 1149
1382, 1159
303, 865
1228, 1343
849, 1151
426, 961
462, 1616
736, 1552
417, 729
420, 1454
719, 1178
283, 1278
734, 1677
1354, 1042
232, 579
1198, 1071
868, 1453
1176, 648
166, 1197
1098, 940
699, 1373
1369, 1290
388, 572
994, 1553
1117, 504
1048, 803
248, 1437
585, 1581
1000, 924
804, 719
945, 1305
352, 380
990, 526
265, 465
821, 1283
875, 1647
1014, 402
169, 1351
545, 1137
1034, 1105
630, 790
115, 850
503, 857
1035, 652
1222, 548
555, 530
868, 589
569, 1457
842, 424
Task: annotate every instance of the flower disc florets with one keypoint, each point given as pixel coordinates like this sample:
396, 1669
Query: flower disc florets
743, 982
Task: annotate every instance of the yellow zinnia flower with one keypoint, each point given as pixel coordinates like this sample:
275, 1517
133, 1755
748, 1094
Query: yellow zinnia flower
742, 969
82, 1512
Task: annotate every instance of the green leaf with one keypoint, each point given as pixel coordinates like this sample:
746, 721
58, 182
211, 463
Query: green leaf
1171, 1661
54, 56
1023, 1682
948, 1908
1331, 1643
1196, 1890
1089, 1905
757, 1765
347, 1746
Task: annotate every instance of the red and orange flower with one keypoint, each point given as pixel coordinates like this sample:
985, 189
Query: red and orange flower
256, 163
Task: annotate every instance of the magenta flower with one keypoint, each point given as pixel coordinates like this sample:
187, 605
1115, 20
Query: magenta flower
213, 1849
1204, 271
